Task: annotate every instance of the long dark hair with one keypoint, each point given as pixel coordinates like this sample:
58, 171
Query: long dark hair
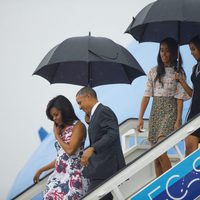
64, 105
173, 49
196, 41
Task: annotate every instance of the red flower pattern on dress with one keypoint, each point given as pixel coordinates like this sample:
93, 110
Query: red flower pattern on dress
55, 195
75, 181
61, 167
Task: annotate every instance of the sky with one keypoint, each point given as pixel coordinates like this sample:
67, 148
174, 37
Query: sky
28, 30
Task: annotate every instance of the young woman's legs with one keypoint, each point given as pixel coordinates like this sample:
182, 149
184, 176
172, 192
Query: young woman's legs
191, 144
158, 168
162, 164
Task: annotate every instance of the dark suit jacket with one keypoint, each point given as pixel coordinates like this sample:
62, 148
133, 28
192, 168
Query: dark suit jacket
103, 133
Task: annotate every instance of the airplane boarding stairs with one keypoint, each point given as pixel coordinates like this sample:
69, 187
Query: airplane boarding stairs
137, 180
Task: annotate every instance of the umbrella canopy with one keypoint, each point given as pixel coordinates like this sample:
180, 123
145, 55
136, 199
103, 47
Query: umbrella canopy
179, 19
89, 61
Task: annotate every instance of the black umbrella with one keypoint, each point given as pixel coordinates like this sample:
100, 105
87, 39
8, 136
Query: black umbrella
89, 61
179, 19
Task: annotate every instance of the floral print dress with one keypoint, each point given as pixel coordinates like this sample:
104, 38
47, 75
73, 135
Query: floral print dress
164, 107
67, 181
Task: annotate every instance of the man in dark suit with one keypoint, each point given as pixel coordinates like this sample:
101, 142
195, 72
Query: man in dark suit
104, 156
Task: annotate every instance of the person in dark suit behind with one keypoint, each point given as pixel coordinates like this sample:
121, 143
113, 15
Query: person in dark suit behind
104, 156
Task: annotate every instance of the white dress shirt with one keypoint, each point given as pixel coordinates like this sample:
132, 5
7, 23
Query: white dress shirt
93, 109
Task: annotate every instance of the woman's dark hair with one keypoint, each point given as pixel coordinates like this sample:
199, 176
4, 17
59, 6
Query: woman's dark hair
196, 41
173, 49
64, 105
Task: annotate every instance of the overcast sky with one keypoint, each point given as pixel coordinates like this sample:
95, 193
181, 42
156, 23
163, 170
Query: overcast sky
28, 30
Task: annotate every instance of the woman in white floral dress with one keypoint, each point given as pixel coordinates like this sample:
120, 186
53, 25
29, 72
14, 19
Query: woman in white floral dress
67, 181
168, 96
